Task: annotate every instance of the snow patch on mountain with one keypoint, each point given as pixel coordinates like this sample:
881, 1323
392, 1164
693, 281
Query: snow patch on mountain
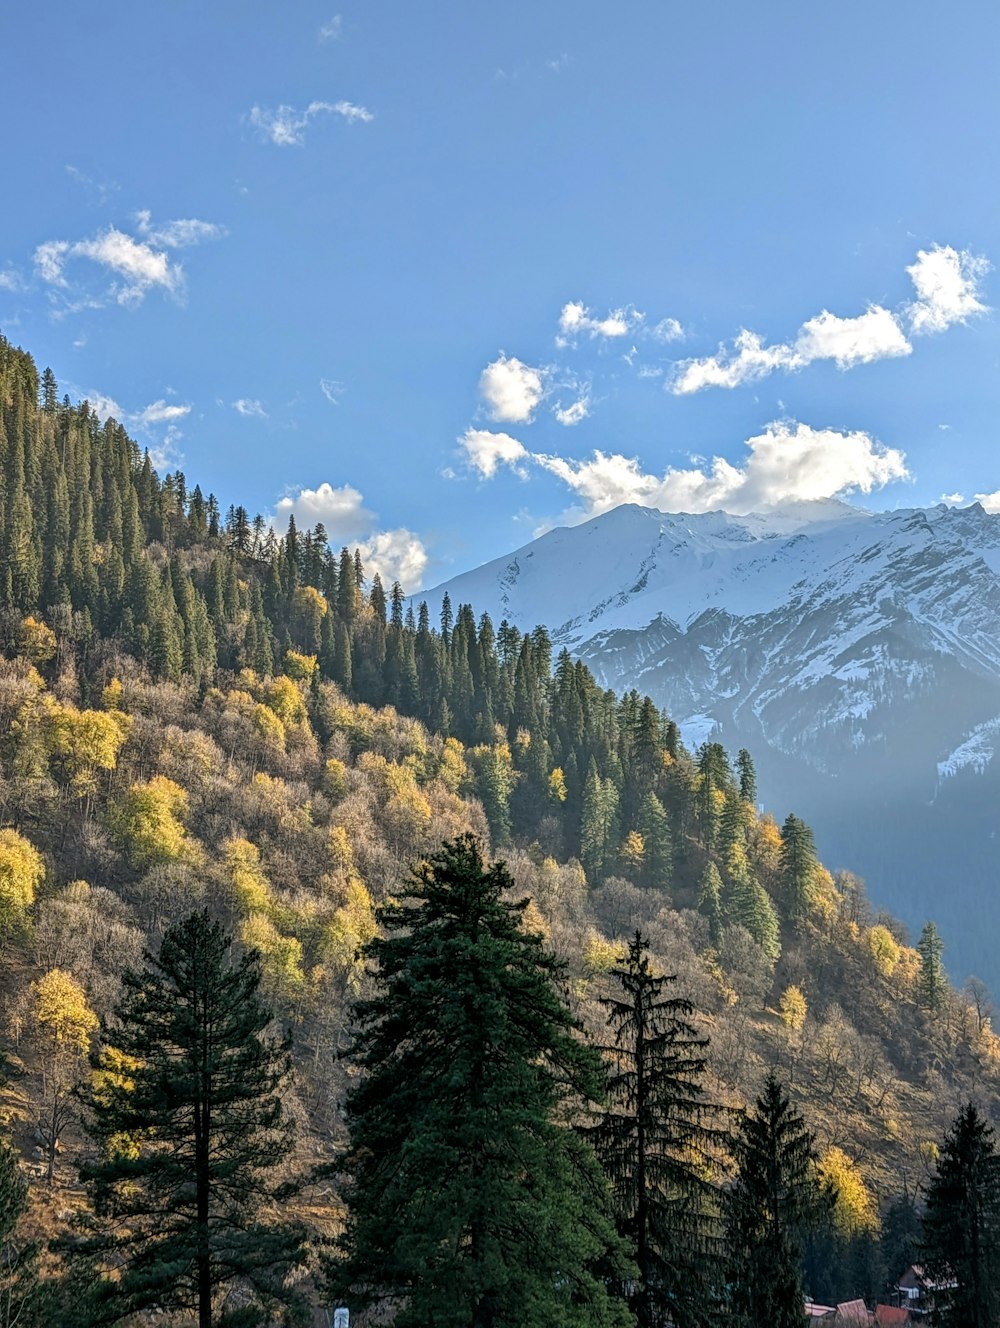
977, 751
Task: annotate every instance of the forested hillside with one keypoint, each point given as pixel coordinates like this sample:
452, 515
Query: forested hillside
197, 711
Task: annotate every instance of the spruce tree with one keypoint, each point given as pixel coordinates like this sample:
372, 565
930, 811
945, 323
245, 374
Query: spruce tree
932, 985
798, 865
657, 1141
960, 1246
768, 1207
471, 1202
710, 902
192, 1136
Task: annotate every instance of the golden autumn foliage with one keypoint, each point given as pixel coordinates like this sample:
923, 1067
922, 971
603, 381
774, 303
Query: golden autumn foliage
302, 668
88, 742
792, 1008
281, 956
884, 949
149, 822
854, 1209
61, 1012
36, 641
21, 872
242, 860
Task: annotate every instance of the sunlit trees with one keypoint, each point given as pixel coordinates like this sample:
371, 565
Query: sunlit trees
932, 984
61, 1027
21, 872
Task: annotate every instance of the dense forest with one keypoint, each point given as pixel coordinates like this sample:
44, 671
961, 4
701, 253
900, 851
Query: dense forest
202, 715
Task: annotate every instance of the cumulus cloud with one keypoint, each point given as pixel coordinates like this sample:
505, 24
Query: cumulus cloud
947, 283
576, 320
250, 408
397, 555
511, 389
788, 462
332, 29
667, 329
991, 501
485, 451
285, 126
341, 511
874, 335
953, 499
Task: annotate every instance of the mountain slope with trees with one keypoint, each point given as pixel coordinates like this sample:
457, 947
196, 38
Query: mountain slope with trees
197, 713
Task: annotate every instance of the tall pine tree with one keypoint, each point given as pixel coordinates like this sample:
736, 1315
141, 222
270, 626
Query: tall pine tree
471, 1202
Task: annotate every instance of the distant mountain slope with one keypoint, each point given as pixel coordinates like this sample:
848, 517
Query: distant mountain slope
857, 653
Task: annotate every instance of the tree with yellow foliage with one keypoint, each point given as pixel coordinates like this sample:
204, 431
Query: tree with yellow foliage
149, 822
61, 1027
21, 872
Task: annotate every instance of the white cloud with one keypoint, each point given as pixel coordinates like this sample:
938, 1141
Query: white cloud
667, 329
575, 320
106, 408
179, 234
485, 451
341, 511
991, 501
752, 360
947, 282
10, 280
955, 498
160, 412
787, 462
397, 555
511, 389
332, 30
874, 335
249, 408
573, 413
137, 266
286, 127
332, 390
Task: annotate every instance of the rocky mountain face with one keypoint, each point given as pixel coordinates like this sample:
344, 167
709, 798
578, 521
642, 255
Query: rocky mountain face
856, 654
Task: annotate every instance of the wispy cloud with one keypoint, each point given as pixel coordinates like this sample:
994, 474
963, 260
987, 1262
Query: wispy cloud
156, 424
135, 265
573, 413
286, 127
10, 279
99, 190
332, 389
788, 461
397, 555
947, 283
332, 30
576, 320
250, 408
511, 390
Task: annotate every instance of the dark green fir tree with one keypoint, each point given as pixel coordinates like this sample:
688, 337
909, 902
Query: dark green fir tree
768, 1208
471, 1200
659, 1141
932, 985
192, 1137
960, 1244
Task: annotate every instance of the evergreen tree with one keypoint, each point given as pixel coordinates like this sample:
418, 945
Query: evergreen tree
710, 902
186, 1110
747, 775
932, 984
654, 827
768, 1207
960, 1246
798, 865
471, 1201
656, 1142
20, 1291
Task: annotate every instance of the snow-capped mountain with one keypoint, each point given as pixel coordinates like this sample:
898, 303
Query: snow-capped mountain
856, 654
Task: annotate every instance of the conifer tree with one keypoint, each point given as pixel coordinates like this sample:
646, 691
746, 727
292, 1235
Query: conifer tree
186, 1110
470, 1199
20, 1291
656, 1141
798, 865
654, 827
710, 902
747, 775
932, 984
772, 1199
960, 1246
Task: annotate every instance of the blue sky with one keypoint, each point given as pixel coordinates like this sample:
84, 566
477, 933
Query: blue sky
444, 275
